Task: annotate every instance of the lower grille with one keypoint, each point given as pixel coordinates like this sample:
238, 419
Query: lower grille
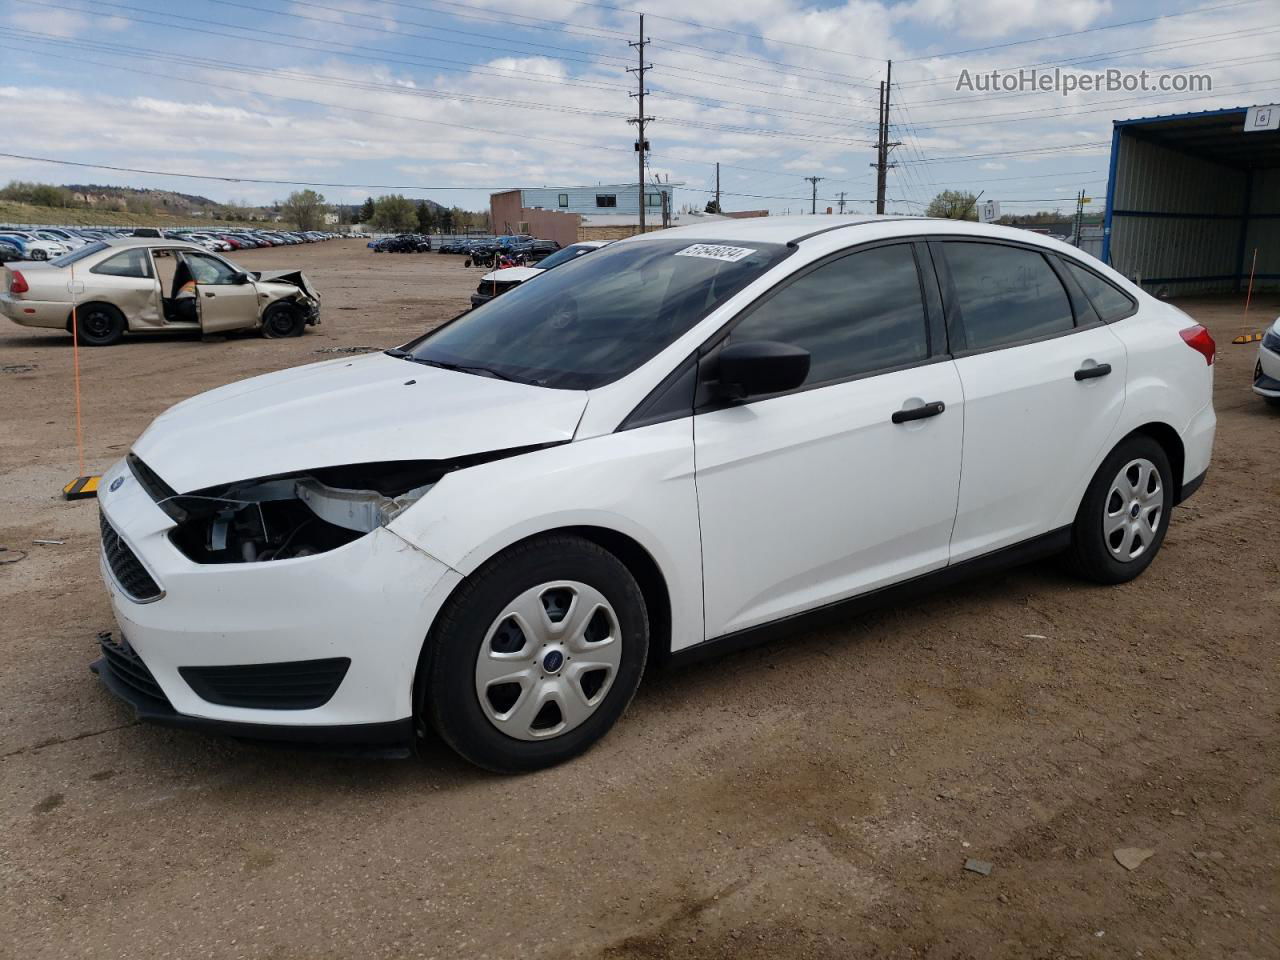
130, 575
128, 667
299, 685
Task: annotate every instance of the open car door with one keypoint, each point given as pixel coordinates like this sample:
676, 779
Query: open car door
226, 298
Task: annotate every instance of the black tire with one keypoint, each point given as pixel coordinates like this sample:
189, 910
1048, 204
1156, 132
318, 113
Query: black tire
449, 696
99, 325
1090, 556
282, 319
1272, 401
39, 254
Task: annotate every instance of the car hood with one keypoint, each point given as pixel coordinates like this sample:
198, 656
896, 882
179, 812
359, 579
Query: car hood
295, 277
348, 411
513, 274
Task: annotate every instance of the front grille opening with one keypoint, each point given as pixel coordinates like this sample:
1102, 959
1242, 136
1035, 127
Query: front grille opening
297, 685
129, 573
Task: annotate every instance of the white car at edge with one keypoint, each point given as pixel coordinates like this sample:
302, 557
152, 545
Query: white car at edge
1266, 372
684, 442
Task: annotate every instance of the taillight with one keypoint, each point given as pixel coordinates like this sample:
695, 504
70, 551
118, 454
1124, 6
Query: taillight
18, 283
1199, 340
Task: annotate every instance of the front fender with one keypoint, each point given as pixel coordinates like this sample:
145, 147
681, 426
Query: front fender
638, 483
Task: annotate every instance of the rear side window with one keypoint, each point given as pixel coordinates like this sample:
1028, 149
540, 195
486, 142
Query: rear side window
1107, 299
855, 315
1006, 294
130, 263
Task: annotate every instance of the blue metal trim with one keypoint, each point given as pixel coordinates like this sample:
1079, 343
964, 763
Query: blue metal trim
1111, 195
1137, 121
1195, 216
1223, 276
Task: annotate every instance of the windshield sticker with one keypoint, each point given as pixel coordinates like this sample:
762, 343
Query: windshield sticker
715, 251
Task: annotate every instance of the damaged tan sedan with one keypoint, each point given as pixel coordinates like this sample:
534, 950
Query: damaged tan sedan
138, 285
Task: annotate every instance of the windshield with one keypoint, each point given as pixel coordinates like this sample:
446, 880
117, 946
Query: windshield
88, 250
571, 252
598, 317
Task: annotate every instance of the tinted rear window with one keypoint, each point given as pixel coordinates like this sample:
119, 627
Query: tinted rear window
1006, 294
1107, 299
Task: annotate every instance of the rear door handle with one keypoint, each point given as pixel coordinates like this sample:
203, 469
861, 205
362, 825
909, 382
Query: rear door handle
1090, 373
919, 413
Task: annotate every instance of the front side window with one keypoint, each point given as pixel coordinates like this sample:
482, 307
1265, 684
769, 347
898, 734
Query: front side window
1108, 301
209, 270
856, 315
596, 318
129, 263
606, 199
1006, 294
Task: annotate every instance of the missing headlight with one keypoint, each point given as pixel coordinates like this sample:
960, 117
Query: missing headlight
300, 514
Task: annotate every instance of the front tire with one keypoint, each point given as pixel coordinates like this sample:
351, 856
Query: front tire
282, 320
98, 325
536, 655
1123, 518
39, 254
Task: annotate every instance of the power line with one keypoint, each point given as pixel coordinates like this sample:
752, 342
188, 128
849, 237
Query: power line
1079, 33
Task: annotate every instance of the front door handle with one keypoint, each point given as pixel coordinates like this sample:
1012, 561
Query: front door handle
210, 293
919, 413
1092, 372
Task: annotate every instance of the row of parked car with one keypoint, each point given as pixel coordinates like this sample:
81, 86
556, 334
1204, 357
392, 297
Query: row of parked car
49, 243
523, 246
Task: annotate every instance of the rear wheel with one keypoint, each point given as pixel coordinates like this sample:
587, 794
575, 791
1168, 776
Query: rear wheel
99, 325
537, 655
282, 320
39, 254
1122, 520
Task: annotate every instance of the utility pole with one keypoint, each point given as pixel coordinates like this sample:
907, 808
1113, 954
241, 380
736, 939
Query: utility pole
1079, 216
815, 181
718, 210
642, 145
842, 203
883, 145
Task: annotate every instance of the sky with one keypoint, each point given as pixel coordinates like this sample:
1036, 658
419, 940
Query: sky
451, 99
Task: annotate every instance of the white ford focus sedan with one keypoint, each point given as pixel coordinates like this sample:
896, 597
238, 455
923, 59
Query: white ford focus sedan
681, 443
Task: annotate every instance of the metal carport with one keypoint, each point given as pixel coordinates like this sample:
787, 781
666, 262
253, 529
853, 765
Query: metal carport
1191, 196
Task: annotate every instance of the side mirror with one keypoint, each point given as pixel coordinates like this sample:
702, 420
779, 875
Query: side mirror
760, 367
243, 277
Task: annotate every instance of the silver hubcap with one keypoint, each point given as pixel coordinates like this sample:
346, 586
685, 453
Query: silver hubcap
1133, 511
548, 660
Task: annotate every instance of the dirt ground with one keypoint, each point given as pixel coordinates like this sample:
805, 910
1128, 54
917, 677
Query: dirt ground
817, 797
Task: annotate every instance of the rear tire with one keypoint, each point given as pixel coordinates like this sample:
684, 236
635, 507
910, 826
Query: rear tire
282, 320
511, 634
1123, 518
98, 325
39, 254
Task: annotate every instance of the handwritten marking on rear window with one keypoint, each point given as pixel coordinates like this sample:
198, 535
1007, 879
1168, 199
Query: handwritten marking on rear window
715, 251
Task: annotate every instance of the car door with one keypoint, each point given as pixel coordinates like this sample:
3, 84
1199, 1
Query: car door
127, 280
849, 482
226, 298
1044, 383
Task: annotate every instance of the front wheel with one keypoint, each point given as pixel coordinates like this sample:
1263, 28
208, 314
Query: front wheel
537, 655
282, 320
38, 254
1122, 520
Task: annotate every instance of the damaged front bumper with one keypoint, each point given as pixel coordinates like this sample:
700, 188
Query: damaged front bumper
370, 602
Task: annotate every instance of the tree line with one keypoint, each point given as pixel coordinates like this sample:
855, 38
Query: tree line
394, 213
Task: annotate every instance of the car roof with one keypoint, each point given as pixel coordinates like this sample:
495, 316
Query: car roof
150, 242
795, 229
